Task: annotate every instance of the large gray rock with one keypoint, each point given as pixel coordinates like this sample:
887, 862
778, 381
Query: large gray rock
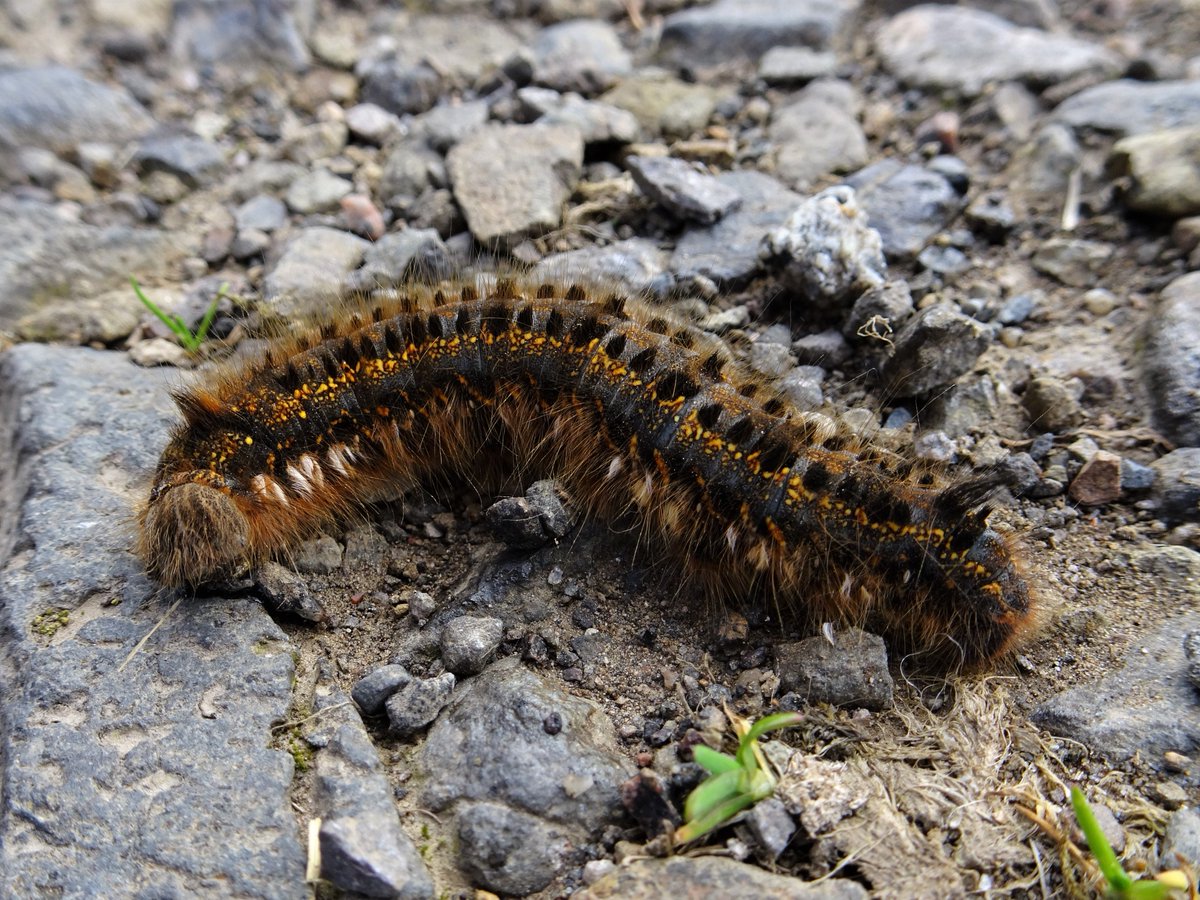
713, 878
56, 108
509, 851
146, 773
46, 261
511, 181
682, 188
1148, 705
1133, 107
311, 270
632, 264
817, 133
492, 744
714, 34
1176, 487
1172, 361
965, 49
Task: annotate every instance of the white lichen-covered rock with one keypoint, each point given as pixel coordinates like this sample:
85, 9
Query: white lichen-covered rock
827, 248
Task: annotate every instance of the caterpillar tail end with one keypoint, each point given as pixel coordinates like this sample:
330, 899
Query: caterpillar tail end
192, 534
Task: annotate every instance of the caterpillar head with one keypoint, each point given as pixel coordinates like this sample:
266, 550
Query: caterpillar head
192, 533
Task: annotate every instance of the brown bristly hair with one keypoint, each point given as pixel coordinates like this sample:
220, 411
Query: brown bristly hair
638, 415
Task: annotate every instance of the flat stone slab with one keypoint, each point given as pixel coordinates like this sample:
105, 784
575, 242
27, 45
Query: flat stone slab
964, 49
151, 775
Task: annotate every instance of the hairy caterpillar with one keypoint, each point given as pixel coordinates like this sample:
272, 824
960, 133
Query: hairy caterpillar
637, 415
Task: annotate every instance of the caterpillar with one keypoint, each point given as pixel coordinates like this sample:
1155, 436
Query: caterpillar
637, 415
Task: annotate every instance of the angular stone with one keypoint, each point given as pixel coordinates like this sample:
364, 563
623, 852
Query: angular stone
469, 642
286, 592
509, 851
533, 520
817, 133
511, 180
372, 690
396, 256
318, 556
1164, 169
906, 204
418, 703
494, 727
1072, 261
599, 123
448, 123
663, 104
964, 49
1171, 361
936, 346
1052, 404
402, 88
791, 65
316, 192
727, 29
311, 270
728, 253
187, 156
1177, 484
102, 737
363, 847
682, 188
1098, 481
583, 55
852, 671
632, 264
263, 212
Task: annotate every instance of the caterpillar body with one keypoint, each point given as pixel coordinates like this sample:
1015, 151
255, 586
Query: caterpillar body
637, 415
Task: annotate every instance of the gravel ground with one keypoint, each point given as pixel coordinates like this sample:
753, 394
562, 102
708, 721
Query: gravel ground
970, 231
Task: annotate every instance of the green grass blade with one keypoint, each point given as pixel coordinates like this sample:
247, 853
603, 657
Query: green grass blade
710, 793
1147, 890
745, 752
173, 322
209, 315
714, 818
714, 762
1106, 859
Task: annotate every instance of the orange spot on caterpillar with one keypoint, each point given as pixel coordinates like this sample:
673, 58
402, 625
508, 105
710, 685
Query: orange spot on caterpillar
634, 413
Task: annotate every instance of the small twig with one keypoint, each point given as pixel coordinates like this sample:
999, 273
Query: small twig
149, 634
1070, 213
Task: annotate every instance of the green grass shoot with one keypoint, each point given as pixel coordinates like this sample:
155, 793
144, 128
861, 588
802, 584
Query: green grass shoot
189, 340
1120, 884
734, 783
